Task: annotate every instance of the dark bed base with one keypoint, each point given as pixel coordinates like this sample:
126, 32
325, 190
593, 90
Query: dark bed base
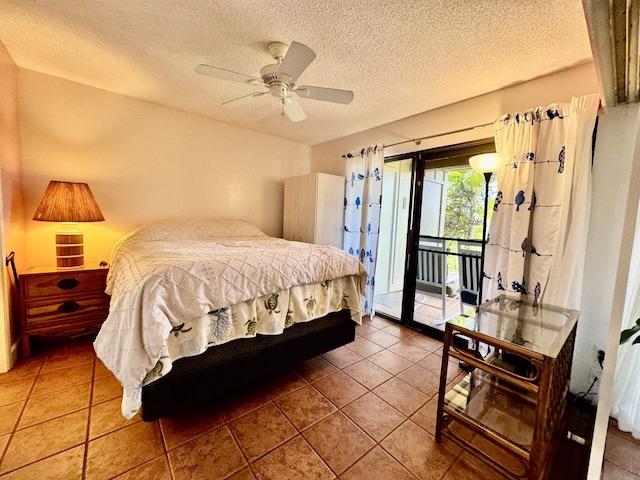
229, 367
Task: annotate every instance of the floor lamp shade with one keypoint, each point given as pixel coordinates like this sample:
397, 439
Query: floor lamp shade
485, 163
69, 203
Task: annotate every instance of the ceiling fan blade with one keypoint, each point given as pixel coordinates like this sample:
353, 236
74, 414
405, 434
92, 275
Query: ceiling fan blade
238, 102
226, 74
296, 61
293, 109
325, 94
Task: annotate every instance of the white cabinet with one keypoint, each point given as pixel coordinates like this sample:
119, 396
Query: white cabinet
314, 209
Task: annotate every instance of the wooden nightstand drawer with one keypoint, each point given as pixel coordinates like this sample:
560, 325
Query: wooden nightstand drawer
63, 283
64, 310
58, 302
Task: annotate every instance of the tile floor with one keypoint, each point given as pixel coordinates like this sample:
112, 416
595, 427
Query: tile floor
427, 309
621, 455
362, 411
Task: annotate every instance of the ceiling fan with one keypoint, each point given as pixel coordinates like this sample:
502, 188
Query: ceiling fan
280, 80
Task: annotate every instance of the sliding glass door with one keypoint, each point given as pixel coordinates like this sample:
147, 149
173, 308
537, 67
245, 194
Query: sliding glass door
416, 271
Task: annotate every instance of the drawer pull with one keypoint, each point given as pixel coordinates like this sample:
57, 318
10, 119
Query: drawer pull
68, 307
68, 283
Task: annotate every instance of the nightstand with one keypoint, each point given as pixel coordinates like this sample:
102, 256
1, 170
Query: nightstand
61, 302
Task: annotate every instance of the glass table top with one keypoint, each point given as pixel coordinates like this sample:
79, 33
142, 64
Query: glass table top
535, 326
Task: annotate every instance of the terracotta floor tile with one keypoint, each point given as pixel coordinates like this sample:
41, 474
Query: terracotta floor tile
382, 338
374, 415
244, 474
124, 449
391, 362
68, 357
295, 460
338, 441
66, 465
611, 471
425, 416
9, 416
4, 440
305, 407
622, 452
340, 388
100, 371
399, 331
212, 456
62, 378
183, 427
283, 384
15, 390
501, 456
432, 363
471, 468
367, 373
364, 347
342, 357
378, 465
380, 322
28, 367
314, 369
424, 380
365, 329
45, 439
156, 469
418, 451
56, 404
243, 402
424, 341
410, 351
401, 395
107, 417
261, 431
105, 389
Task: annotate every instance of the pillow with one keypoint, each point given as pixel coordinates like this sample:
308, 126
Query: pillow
196, 229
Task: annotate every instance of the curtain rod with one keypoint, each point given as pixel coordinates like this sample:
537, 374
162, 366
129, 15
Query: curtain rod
417, 141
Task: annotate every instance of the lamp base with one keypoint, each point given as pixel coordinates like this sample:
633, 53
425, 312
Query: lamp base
69, 249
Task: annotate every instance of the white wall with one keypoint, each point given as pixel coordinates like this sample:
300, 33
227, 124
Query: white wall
559, 87
616, 191
11, 225
144, 162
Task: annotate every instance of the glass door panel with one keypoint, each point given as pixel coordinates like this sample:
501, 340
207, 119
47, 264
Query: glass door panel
392, 242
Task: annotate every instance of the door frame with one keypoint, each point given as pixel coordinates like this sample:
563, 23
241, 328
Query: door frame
439, 157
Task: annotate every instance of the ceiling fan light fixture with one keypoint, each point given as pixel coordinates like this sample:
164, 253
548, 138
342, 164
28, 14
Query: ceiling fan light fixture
280, 79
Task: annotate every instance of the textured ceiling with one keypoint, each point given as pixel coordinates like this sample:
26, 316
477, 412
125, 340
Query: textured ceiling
399, 57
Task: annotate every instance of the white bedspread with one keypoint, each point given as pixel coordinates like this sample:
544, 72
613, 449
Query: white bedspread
160, 281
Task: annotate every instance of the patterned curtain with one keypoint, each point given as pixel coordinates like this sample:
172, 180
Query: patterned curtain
537, 238
363, 199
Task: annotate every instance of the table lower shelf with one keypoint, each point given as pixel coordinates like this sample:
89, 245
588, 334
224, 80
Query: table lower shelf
491, 403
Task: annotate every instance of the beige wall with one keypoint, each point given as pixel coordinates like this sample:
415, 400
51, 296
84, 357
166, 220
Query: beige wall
559, 87
11, 227
144, 162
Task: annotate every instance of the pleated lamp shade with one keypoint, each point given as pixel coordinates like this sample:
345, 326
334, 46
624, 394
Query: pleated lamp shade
70, 203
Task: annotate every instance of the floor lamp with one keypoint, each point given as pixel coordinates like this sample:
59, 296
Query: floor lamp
485, 163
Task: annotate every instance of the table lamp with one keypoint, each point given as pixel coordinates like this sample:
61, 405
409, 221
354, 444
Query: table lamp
69, 203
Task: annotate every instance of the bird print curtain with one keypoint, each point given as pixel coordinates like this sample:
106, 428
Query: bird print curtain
363, 199
537, 238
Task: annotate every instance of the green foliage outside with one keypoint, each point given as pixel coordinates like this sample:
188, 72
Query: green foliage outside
465, 204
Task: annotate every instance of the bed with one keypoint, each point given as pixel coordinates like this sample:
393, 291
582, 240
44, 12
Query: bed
200, 308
